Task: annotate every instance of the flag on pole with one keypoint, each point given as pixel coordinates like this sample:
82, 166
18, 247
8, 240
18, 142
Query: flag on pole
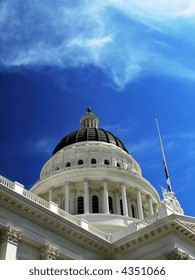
164, 160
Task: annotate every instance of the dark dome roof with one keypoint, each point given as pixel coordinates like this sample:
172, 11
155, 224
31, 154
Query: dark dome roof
89, 134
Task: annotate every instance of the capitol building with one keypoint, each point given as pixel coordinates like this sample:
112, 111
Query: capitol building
91, 202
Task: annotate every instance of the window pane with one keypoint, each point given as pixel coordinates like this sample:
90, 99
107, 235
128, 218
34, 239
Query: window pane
93, 161
133, 211
95, 204
80, 205
110, 205
121, 207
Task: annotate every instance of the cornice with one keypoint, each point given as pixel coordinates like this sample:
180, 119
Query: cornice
107, 172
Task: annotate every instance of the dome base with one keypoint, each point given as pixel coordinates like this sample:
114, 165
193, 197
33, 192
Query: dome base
108, 223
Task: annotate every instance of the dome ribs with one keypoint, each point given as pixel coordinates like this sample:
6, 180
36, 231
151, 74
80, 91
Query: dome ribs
89, 134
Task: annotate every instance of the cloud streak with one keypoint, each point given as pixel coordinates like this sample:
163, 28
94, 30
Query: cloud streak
126, 39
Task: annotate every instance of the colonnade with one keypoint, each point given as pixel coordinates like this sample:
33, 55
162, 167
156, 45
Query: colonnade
124, 202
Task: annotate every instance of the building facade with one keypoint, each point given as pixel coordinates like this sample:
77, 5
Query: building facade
92, 202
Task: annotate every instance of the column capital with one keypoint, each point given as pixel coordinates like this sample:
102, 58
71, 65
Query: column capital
11, 235
49, 253
148, 196
178, 254
86, 180
105, 182
67, 183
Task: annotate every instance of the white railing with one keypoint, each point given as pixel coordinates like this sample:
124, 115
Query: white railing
99, 233
31, 196
5, 182
147, 221
69, 217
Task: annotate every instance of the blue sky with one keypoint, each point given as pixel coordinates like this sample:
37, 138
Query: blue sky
127, 59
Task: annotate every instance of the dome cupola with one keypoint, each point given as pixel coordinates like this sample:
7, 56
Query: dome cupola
89, 132
89, 119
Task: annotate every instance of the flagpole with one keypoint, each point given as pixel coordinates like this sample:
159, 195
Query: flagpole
163, 155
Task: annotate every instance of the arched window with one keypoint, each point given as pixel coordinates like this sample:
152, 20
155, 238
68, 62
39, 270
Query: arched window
80, 205
121, 207
93, 161
80, 162
106, 162
118, 165
110, 203
68, 164
133, 210
95, 204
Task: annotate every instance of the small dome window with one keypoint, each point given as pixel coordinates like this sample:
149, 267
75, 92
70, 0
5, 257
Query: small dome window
93, 161
106, 162
57, 168
80, 162
118, 165
68, 164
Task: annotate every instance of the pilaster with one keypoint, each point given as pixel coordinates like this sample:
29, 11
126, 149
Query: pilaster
9, 243
49, 253
178, 254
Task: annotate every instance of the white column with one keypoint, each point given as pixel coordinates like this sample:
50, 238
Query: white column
139, 205
9, 244
117, 196
67, 197
86, 196
50, 194
130, 209
124, 200
151, 210
106, 203
72, 204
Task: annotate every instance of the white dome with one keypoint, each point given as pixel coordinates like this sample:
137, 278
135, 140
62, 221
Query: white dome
99, 181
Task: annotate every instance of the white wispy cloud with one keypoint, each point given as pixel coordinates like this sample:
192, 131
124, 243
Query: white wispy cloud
43, 146
126, 39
